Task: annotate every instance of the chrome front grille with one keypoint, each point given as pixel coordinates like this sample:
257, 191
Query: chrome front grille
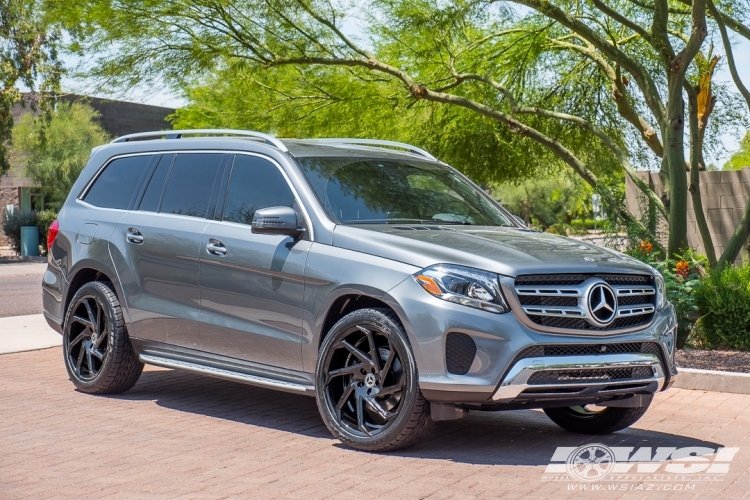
564, 301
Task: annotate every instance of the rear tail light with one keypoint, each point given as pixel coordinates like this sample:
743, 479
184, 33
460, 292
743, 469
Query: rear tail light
54, 228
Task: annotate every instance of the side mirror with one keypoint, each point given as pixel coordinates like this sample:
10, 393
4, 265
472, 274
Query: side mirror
277, 220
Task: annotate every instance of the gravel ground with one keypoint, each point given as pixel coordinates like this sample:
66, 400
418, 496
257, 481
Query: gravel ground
729, 361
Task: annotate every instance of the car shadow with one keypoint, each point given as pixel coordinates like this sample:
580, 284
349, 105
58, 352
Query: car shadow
522, 437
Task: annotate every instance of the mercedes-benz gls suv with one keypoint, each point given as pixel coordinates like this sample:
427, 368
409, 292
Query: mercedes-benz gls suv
365, 273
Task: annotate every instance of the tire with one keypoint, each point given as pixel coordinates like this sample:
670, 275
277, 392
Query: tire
583, 421
97, 351
370, 402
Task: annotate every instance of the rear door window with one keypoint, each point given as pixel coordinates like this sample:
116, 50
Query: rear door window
116, 185
190, 184
255, 183
155, 188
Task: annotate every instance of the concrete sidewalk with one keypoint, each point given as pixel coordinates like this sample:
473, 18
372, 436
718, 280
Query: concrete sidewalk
27, 333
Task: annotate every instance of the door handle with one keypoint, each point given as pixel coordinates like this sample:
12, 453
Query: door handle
216, 247
134, 236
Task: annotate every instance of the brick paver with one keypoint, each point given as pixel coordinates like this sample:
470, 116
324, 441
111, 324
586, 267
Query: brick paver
177, 435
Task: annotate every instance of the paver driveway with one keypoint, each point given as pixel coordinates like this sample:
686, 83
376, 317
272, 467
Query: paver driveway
176, 434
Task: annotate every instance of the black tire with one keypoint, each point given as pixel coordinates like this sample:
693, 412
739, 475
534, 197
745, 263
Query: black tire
581, 420
384, 422
97, 351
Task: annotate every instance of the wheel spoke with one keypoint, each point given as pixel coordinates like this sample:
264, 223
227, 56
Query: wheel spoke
85, 333
91, 315
90, 362
374, 405
83, 321
99, 355
385, 391
373, 349
388, 364
79, 361
345, 397
343, 371
362, 356
361, 417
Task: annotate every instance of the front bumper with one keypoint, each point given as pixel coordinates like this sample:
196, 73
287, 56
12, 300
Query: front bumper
498, 377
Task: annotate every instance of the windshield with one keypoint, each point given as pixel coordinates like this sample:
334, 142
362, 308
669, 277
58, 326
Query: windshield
373, 191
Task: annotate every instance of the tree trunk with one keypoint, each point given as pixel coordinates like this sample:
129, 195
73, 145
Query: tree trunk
674, 154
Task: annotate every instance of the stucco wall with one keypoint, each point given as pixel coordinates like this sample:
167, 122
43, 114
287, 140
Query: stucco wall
724, 196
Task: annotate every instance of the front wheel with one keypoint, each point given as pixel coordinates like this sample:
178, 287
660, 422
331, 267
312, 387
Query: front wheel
366, 381
588, 420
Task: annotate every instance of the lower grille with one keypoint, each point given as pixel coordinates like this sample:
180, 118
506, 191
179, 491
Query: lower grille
590, 375
460, 350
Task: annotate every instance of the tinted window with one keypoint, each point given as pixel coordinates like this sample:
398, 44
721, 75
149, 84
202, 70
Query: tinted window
190, 183
152, 196
355, 191
255, 183
116, 185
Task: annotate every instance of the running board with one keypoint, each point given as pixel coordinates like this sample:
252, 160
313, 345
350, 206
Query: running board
211, 371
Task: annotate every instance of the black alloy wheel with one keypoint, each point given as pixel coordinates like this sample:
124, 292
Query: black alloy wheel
588, 419
98, 355
367, 383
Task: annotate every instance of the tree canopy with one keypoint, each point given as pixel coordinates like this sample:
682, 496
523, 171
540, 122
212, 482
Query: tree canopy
56, 150
28, 56
741, 158
591, 83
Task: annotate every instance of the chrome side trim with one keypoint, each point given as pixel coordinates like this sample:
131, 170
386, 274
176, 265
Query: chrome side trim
516, 381
245, 378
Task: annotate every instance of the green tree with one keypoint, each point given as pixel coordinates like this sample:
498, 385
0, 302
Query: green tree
629, 77
741, 158
28, 56
55, 152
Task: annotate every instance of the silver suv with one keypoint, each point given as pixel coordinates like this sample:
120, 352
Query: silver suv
365, 273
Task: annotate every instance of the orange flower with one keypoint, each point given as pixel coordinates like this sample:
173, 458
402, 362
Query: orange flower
682, 268
645, 247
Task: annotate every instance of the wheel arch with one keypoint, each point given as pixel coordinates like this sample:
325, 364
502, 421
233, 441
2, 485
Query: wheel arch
86, 272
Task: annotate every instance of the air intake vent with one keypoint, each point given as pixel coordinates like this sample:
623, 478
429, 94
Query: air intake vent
460, 350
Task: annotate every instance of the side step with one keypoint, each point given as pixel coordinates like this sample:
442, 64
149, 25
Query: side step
245, 378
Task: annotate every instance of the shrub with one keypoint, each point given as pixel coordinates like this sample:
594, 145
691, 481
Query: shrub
682, 277
724, 302
12, 224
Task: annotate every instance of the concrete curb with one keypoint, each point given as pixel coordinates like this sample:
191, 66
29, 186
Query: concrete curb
711, 380
26, 333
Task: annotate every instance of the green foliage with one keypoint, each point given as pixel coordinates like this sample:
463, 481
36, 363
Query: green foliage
683, 276
724, 301
55, 152
549, 203
741, 158
44, 220
12, 224
28, 56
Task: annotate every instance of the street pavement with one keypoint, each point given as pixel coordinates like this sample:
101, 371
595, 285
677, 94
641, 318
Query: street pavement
21, 289
178, 435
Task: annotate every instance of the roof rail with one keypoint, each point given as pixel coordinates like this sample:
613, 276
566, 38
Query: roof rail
177, 134
377, 142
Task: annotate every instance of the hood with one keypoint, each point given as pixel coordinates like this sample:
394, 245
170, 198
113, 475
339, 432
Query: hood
504, 250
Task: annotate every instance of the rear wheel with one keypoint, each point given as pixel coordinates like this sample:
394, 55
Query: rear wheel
593, 420
366, 381
98, 355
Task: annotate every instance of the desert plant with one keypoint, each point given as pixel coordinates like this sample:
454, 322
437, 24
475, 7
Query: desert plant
724, 302
12, 224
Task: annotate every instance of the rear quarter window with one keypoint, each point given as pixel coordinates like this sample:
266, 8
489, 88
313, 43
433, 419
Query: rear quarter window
116, 185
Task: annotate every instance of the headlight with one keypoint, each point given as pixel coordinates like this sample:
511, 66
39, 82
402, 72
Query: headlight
464, 285
661, 291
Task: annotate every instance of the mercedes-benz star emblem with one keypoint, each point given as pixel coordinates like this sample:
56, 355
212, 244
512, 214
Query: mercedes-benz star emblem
602, 304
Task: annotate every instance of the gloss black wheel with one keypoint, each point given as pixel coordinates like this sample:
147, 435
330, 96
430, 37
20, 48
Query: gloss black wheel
367, 389
590, 419
98, 355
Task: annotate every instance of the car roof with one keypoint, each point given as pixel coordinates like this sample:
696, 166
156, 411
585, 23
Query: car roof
299, 148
